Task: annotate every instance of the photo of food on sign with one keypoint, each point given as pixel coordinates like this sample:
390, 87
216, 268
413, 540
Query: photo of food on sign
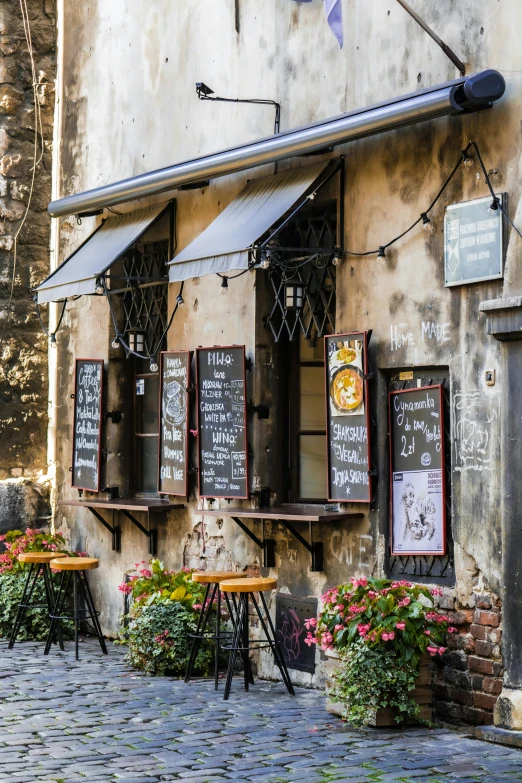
345, 365
175, 403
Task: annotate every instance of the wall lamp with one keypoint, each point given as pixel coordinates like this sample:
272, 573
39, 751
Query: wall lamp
205, 93
294, 294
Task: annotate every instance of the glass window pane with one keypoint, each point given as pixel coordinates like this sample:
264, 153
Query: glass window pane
312, 467
146, 394
146, 465
313, 412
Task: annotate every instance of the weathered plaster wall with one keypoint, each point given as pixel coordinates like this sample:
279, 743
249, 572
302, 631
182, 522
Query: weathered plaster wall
128, 106
23, 365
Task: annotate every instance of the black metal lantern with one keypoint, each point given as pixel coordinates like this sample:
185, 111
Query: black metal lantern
136, 340
294, 294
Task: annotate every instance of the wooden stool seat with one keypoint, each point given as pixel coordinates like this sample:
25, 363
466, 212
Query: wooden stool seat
75, 563
253, 584
209, 577
39, 557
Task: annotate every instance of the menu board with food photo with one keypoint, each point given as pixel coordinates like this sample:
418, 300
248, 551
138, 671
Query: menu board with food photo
347, 419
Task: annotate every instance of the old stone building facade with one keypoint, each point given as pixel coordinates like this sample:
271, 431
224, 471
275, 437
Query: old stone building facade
25, 145
126, 106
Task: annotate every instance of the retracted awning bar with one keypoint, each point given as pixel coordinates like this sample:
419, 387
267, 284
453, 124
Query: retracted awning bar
470, 93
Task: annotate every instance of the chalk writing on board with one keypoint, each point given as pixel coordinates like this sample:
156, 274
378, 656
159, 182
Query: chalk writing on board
222, 422
347, 418
87, 424
416, 433
175, 381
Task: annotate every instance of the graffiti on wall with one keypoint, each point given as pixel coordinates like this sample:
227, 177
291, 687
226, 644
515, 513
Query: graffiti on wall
431, 332
476, 437
353, 549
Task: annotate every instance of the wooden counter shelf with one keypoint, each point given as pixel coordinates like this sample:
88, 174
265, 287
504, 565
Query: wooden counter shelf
285, 514
128, 507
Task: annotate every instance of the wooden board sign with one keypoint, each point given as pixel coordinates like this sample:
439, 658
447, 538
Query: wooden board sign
174, 422
418, 508
88, 390
347, 418
222, 435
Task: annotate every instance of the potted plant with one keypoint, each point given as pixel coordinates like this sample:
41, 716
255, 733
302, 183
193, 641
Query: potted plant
378, 635
164, 611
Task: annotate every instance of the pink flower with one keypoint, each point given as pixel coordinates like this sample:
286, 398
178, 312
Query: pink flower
388, 636
432, 651
363, 629
125, 588
442, 650
372, 594
427, 632
310, 622
405, 601
339, 608
338, 627
146, 572
436, 591
400, 626
197, 606
452, 629
310, 639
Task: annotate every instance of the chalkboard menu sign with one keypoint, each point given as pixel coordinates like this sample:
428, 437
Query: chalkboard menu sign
222, 436
348, 437
87, 424
418, 509
473, 242
174, 422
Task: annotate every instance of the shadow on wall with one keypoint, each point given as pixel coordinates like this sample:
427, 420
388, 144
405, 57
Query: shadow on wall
23, 504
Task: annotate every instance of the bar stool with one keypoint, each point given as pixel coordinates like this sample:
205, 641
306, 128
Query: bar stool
212, 580
74, 568
246, 589
38, 566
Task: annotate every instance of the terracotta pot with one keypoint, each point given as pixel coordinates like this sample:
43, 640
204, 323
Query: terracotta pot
422, 693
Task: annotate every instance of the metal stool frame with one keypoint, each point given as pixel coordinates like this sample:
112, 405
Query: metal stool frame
241, 632
80, 586
200, 634
35, 569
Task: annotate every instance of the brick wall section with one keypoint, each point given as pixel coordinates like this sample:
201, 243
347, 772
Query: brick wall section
23, 355
469, 679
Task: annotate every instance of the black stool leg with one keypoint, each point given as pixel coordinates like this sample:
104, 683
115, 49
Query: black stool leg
49, 594
279, 659
89, 601
233, 652
20, 614
217, 641
76, 616
246, 652
202, 623
58, 606
233, 612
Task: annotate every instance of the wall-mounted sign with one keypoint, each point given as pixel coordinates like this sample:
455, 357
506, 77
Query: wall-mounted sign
174, 422
88, 388
418, 508
222, 435
473, 242
347, 417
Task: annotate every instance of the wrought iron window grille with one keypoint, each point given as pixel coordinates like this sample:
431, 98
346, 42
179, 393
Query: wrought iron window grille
144, 293
307, 256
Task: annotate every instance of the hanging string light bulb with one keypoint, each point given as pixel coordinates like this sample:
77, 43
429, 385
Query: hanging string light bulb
224, 285
265, 259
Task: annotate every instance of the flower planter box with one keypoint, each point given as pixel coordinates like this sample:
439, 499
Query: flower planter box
422, 693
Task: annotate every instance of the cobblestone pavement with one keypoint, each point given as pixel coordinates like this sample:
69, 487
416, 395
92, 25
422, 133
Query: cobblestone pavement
97, 720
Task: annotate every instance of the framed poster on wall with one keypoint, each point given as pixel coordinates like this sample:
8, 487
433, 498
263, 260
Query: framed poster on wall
88, 392
417, 475
222, 422
347, 418
174, 422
